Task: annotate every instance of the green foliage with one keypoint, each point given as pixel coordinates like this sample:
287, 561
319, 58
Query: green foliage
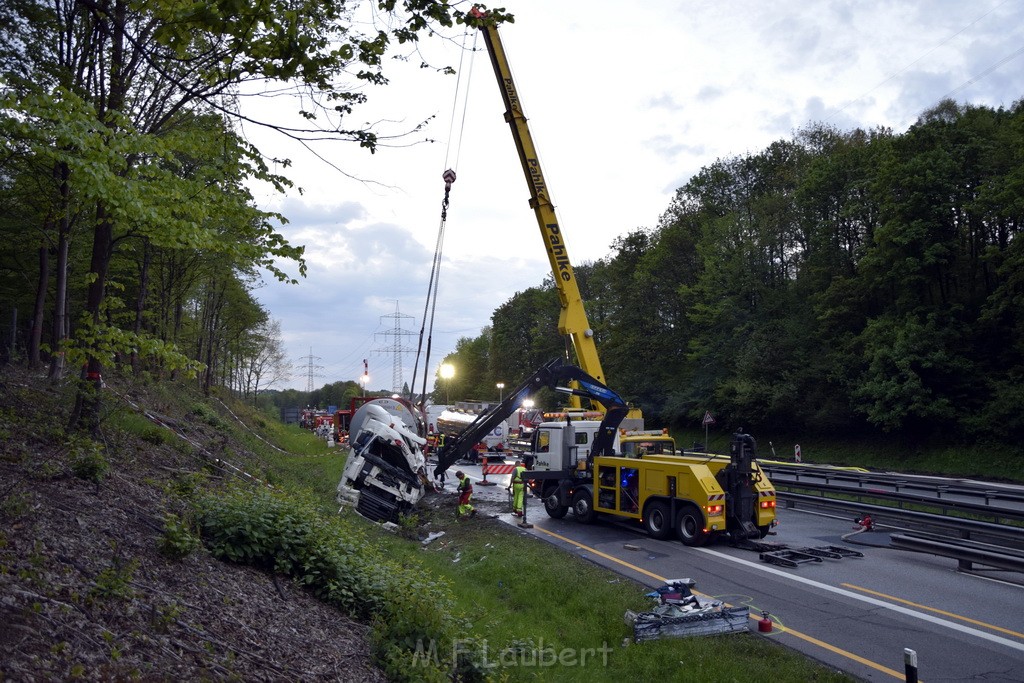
208, 415
288, 534
187, 486
105, 343
408, 525
179, 538
87, 459
114, 582
134, 423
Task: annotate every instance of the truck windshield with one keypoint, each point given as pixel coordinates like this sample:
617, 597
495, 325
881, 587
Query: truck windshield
638, 449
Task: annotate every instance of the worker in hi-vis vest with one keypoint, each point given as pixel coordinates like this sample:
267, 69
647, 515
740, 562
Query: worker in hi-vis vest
465, 490
518, 488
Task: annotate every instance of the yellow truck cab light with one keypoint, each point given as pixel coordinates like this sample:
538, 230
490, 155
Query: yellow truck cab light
767, 504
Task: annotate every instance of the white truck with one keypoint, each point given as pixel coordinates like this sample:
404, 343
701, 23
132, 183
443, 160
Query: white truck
385, 474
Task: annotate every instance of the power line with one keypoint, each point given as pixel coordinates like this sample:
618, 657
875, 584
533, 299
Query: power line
986, 72
311, 369
897, 73
395, 347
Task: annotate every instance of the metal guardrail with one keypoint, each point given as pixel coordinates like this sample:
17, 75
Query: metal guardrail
1011, 536
945, 504
1006, 550
939, 486
965, 552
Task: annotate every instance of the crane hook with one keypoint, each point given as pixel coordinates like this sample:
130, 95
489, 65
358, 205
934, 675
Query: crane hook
449, 178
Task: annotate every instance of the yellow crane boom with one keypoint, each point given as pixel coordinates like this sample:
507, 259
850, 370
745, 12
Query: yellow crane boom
572, 320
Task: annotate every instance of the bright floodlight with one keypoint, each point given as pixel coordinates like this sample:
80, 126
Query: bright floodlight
447, 370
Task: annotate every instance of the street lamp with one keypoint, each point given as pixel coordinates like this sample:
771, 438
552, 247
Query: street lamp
501, 389
447, 371
364, 379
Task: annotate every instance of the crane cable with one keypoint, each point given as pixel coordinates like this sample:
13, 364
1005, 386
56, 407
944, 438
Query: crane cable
430, 305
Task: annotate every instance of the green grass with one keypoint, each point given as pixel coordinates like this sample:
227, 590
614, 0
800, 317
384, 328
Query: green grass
519, 589
289, 455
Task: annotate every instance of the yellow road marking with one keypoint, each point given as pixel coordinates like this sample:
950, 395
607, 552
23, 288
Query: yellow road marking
944, 613
901, 675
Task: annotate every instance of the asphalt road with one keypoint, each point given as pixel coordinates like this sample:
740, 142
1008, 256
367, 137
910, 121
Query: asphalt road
854, 614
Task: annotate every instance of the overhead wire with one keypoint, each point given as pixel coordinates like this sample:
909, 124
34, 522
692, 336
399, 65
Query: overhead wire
449, 175
951, 37
970, 81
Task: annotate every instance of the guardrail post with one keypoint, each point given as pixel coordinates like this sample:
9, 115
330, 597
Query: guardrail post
965, 565
523, 524
910, 664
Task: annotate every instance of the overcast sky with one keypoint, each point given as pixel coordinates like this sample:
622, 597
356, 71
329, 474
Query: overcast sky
626, 101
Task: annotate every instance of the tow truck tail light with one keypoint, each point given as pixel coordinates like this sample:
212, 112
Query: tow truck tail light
713, 510
767, 504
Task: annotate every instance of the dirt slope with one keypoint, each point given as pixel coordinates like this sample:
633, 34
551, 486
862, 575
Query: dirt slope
85, 592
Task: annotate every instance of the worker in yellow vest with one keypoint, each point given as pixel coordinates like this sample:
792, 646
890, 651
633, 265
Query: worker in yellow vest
465, 490
518, 488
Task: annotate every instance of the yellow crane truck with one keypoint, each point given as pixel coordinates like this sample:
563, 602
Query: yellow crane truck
574, 465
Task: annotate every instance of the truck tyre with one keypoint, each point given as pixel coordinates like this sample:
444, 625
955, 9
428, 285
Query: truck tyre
553, 508
583, 507
690, 527
657, 522
763, 530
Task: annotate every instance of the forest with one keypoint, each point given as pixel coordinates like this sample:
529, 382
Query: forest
864, 281
132, 241
838, 282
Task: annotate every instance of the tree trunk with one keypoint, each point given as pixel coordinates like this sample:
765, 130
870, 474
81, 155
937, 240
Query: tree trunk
36, 336
60, 325
140, 301
86, 412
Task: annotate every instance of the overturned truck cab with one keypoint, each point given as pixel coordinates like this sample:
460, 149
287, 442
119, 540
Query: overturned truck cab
385, 475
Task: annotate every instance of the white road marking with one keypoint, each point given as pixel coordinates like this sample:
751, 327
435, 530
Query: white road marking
871, 601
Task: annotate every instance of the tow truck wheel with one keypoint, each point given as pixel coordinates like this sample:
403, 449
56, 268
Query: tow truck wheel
690, 527
764, 530
554, 510
656, 520
583, 507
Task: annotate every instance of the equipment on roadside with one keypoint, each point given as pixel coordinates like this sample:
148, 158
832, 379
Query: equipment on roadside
680, 614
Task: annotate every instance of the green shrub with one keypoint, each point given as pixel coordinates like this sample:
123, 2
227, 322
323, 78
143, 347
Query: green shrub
286, 533
87, 460
115, 581
187, 486
178, 540
207, 415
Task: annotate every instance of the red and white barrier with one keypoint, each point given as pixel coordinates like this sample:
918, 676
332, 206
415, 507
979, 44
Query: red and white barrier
494, 469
